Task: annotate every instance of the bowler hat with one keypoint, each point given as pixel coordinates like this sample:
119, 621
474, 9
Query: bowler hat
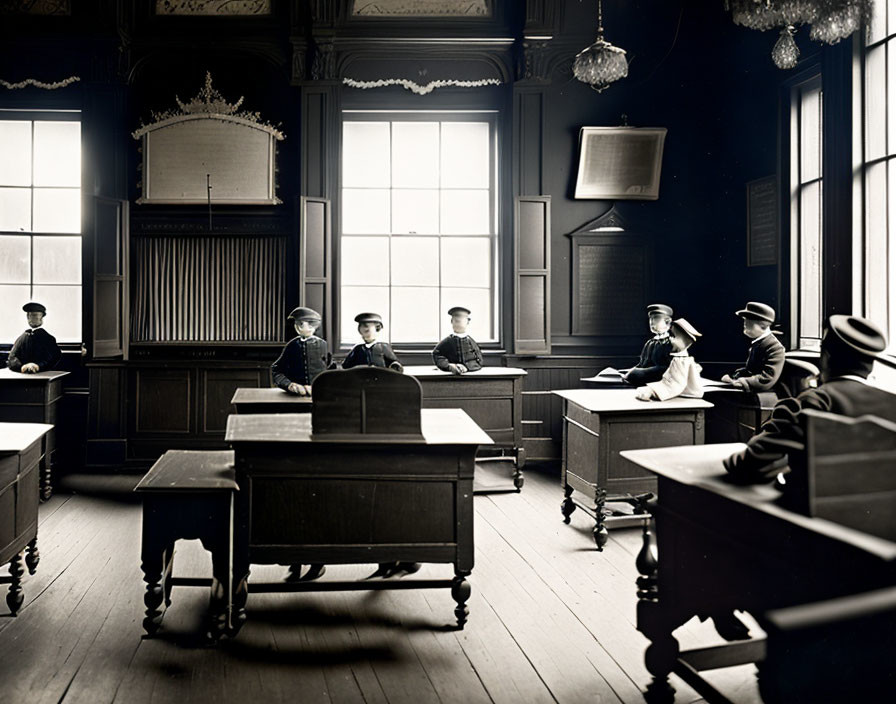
369, 318
858, 334
458, 309
660, 308
685, 327
34, 308
758, 311
300, 314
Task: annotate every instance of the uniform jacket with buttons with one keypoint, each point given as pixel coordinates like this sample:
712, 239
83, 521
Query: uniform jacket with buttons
764, 364
455, 349
653, 363
37, 346
301, 360
379, 354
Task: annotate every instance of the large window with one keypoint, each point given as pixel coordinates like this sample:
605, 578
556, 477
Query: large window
806, 212
40, 222
879, 168
418, 223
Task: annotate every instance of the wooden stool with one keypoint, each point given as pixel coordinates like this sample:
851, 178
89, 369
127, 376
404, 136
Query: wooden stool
187, 495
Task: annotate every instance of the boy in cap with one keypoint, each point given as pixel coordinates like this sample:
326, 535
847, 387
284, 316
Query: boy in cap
682, 378
766, 359
848, 349
371, 353
35, 350
458, 353
303, 357
655, 354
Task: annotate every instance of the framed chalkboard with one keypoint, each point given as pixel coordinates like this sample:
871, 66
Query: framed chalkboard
762, 222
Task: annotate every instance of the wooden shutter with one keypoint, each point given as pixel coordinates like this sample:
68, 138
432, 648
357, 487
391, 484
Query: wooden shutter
532, 275
110, 278
315, 263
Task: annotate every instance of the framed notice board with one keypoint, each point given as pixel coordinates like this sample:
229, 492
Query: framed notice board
762, 221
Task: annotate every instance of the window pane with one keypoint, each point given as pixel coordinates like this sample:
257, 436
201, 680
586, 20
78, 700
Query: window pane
362, 299
878, 26
365, 154
63, 311
15, 146
365, 261
465, 212
57, 210
875, 103
15, 259
57, 260
479, 301
415, 314
415, 261
810, 135
415, 154
15, 209
12, 319
810, 261
876, 242
465, 155
415, 211
57, 154
466, 261
365, 211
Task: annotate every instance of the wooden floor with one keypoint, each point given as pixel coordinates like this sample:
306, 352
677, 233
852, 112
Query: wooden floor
551, 620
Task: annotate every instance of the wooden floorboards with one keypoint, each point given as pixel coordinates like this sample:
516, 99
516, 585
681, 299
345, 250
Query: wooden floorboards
551, 620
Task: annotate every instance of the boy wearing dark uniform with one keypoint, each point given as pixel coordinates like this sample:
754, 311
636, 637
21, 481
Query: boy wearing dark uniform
371, 353
766, 359
303, 357
458, 353
35, 350
655, 355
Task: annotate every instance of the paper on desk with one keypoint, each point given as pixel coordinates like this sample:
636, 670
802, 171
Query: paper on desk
713, 385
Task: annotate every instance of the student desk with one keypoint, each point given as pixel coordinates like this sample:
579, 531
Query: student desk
492, 396
34, 398
272, 400
597, 425
336, 498
21, 450
722, 547
737, 415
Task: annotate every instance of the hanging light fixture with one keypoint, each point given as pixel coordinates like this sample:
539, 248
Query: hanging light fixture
601, 63
785, 52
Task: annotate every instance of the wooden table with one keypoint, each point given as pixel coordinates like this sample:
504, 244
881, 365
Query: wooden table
332, 499
492, 396
21, 450
724, 547
187, 494
34, 398
597, 425
270, 400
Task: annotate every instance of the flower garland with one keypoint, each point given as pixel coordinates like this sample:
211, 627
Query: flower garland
40, 84
416, 87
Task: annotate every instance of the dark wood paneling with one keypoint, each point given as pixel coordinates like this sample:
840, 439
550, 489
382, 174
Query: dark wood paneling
162, 401
217, 388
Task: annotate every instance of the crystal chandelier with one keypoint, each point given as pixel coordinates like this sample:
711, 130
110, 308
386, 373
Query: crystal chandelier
601, 63
829, 21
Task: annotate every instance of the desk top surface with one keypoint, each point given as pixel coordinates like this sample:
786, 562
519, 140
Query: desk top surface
623, 400
190, 470
701, 466
15, 437
432, 372
441, 426
272, 395
7, 374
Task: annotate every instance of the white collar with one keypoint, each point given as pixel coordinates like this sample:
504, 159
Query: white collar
680, 354
368, 345
762, 336
661, 335
459, 334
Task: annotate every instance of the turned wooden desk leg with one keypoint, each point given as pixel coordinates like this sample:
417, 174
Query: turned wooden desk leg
46, 483
32, 556
518, 478
156, 555
220, 544
16, 595
601, 536
460, 592
567, 506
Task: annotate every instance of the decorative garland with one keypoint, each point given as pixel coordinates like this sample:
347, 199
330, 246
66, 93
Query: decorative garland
40, 84
416, 87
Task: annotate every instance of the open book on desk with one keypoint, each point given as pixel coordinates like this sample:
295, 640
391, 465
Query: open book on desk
607, 374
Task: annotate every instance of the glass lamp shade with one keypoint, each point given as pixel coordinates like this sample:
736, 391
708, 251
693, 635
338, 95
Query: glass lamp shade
600, 64
785, 53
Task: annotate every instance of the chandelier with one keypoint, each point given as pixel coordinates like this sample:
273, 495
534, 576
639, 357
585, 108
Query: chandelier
601, 63
829, 21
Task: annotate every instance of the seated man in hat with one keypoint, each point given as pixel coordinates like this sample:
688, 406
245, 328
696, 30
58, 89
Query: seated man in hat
848, 349
458, 353
766, 359
655, 354
303, 357
371, 353
35, 350
682, 378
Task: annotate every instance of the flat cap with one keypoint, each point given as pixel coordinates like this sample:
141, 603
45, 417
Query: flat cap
369, 318
458, 309
304, 314
33, 307
859, 335
758, 311
660, 308
684, 326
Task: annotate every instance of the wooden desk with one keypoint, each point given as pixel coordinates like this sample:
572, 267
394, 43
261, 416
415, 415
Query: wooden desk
737, 415
34, 398
724, 547
271, 400
597, 425
307, 499
21, 450
492, 396
186, 495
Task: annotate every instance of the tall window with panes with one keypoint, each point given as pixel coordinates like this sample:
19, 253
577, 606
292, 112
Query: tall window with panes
40, 222
418, 223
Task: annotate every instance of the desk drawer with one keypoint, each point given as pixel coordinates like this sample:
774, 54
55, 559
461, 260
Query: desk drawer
458, 387
583, 417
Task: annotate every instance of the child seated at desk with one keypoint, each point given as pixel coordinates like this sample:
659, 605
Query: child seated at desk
682, 378
766, 359
655, 354
303, 357
35, 350
458, 353
371, 353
